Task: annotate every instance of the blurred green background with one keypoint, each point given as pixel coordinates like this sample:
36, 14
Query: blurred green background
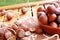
10, 2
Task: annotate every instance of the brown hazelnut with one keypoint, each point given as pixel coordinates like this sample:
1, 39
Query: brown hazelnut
51, 9
54, 24
58, 19
52, 17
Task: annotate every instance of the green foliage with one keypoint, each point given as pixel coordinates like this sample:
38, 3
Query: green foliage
10, 2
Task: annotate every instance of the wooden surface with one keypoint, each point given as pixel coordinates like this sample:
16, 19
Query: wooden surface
27, 4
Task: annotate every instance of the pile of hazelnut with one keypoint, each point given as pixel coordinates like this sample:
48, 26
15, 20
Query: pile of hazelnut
17, 30
50, 15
